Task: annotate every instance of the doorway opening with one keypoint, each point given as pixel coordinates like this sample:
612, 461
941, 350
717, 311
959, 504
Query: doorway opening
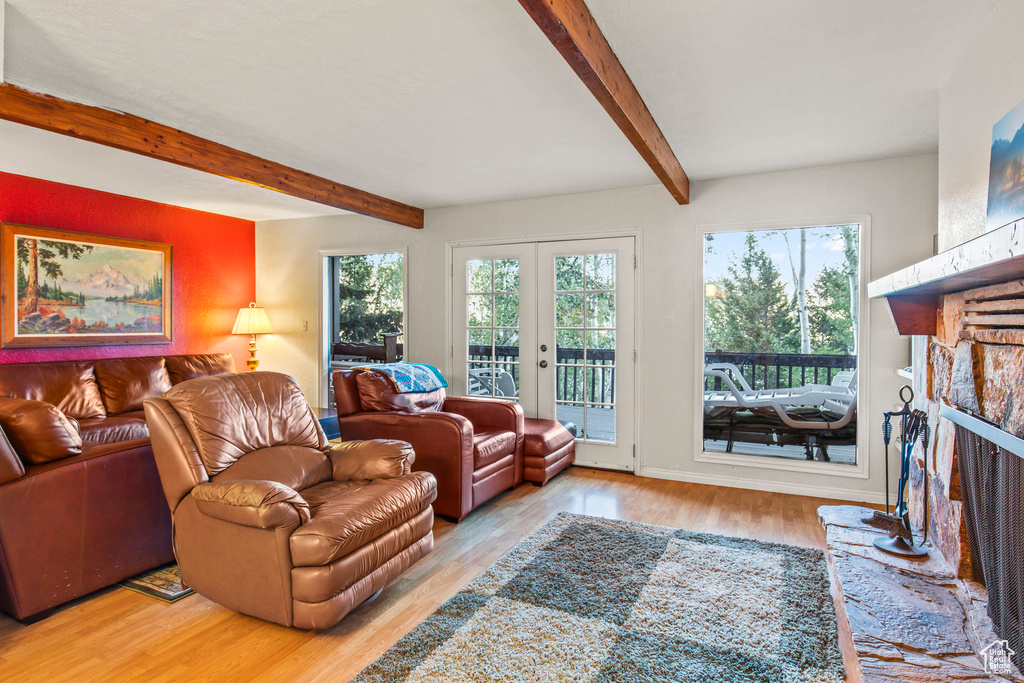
551, 325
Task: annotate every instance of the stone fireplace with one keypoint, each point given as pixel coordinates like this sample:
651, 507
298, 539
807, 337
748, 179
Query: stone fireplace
965, 310
928, 620
975, 361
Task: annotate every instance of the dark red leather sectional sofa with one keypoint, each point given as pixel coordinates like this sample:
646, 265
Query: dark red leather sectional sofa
81, 506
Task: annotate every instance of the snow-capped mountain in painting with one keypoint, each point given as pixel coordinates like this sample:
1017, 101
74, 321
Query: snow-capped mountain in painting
104, 281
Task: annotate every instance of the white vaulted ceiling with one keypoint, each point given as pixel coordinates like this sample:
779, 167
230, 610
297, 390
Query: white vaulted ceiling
444, 102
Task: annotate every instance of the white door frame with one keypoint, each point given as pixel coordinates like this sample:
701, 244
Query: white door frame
620, 453
323, 257
637, 234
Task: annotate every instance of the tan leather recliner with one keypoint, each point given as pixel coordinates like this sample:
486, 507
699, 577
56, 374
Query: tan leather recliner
269, 519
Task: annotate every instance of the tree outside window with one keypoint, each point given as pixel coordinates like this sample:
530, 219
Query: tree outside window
368, 296
783, 291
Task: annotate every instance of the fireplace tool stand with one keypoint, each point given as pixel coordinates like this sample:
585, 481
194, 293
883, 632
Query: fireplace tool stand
913, 428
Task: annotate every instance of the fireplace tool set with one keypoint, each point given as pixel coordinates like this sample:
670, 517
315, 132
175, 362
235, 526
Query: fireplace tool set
913, 428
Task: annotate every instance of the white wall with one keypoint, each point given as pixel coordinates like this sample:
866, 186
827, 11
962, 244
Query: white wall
986, 84
899, 195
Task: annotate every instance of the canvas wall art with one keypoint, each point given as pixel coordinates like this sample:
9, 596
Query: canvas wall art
1006, 170
72, 289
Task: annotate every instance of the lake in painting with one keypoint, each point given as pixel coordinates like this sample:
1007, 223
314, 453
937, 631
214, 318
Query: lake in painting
113, 313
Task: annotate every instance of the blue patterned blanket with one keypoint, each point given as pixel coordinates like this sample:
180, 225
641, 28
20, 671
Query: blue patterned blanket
409, 377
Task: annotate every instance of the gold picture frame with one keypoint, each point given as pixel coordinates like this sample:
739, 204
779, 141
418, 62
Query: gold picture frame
63, 288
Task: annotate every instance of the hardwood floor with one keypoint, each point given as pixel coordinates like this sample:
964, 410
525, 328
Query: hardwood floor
119, 635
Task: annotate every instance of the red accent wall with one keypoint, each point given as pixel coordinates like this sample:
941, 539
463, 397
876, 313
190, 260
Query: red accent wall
214, 262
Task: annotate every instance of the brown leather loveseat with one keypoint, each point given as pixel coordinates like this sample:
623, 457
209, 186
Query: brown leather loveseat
80, 500
473, 445
269, 519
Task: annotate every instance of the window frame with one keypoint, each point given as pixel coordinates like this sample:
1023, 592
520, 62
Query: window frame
328, 292
861, 469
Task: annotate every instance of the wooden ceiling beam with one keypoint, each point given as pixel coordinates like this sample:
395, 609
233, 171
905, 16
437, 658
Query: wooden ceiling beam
157, 141
571, 28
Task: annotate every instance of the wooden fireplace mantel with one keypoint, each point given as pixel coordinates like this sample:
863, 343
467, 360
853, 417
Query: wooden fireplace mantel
913, 293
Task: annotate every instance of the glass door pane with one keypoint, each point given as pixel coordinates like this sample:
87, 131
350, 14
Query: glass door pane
584, 322
494, 314
492, 327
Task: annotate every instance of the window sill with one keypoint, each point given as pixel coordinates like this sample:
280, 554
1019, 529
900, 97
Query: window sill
786, 464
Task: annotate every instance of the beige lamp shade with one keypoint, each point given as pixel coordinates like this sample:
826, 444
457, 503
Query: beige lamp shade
252, 320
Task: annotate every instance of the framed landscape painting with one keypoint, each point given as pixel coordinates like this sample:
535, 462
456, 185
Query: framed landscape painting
61, 288
1006, 170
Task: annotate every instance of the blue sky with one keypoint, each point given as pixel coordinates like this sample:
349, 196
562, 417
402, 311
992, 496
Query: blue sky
824, 248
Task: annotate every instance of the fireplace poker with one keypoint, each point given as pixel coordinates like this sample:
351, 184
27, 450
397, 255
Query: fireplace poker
900, 540
909, 435
913, 427
925, 436
886, 438
887, 520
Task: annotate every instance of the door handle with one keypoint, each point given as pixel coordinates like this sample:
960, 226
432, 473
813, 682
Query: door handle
543, 347
543, 363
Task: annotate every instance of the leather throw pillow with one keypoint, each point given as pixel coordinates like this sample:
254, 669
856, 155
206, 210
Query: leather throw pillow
38, 431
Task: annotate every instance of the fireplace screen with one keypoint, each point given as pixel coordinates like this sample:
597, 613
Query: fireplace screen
992, 490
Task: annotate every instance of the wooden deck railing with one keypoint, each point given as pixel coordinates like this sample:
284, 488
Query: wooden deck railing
388, 352
570, 370
780, 370
346, 353
592, 378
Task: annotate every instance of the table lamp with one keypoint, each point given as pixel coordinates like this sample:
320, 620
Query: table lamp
252, 321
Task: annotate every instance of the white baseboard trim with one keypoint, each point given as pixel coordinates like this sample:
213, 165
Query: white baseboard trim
852, 495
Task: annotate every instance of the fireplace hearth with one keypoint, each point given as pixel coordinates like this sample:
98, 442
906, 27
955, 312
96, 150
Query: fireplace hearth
909, 621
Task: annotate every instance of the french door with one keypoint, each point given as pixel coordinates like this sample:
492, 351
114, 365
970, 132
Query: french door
551, 325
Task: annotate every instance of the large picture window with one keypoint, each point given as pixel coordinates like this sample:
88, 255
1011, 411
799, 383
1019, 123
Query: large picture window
781, 329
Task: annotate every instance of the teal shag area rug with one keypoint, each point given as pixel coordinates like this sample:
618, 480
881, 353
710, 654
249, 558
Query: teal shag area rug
608, 601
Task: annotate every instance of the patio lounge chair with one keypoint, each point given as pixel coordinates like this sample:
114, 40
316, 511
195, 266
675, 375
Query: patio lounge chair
813, 415
834, 398
765, 428
480, 383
